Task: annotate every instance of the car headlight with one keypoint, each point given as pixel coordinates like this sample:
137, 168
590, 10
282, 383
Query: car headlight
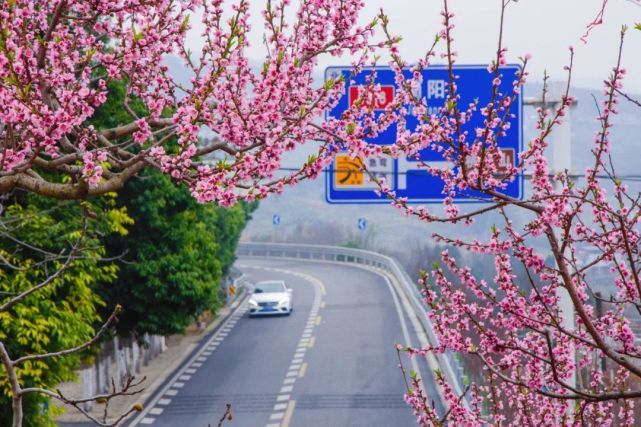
253, 303
283, 302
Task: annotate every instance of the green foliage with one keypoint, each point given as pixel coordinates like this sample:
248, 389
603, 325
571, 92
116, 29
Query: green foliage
62, 314
176, 255
351, 244
177, 251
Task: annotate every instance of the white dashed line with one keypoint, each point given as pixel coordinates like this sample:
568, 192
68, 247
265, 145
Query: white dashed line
181, 377
284, 407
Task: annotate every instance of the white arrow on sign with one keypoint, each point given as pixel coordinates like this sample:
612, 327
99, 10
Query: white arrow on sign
362, 223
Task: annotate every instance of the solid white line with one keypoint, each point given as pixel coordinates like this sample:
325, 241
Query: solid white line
406, 334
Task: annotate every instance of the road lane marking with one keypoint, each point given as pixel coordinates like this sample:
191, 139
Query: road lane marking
297, 367
302, 371
289, 413
322, 304
156, 411
190, 371
404, 328
276, 416
172, 387
164, 401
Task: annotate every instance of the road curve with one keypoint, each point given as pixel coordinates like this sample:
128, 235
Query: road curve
331, 363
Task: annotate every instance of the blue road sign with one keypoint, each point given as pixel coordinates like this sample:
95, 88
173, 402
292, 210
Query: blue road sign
346, 184
362, 223
276, 219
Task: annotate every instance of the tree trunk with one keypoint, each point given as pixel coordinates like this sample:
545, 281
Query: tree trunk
17, 409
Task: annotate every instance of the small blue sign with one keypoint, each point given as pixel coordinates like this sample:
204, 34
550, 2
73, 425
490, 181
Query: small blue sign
276, 219
346, 183
362, 223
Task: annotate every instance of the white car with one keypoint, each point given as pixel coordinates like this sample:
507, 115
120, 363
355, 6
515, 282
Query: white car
270, 297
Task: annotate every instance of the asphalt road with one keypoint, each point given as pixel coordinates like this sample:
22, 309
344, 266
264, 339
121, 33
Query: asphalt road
332, 362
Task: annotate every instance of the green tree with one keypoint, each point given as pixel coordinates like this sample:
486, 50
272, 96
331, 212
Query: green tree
177, 254
35, 241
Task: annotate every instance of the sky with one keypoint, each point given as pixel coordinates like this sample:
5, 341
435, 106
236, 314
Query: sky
543, 28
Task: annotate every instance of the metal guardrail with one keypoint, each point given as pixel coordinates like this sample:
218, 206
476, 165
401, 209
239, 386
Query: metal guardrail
448, 364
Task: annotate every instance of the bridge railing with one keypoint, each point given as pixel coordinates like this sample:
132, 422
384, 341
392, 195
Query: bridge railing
450, 367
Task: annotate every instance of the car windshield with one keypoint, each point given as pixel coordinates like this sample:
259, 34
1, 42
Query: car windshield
267, 287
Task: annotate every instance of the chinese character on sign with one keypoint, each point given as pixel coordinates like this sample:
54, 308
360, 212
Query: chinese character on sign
436, 89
